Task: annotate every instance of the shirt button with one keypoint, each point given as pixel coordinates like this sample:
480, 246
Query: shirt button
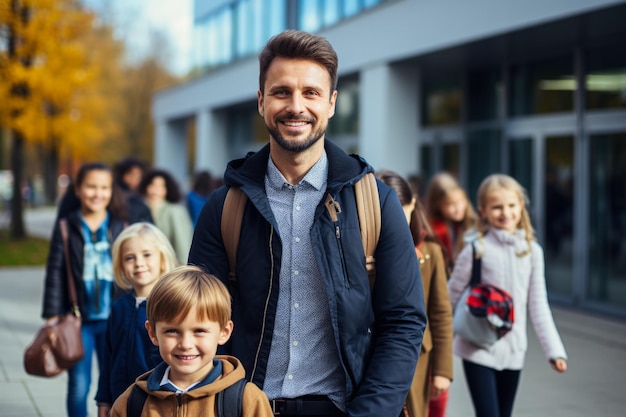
290, 376
297, 239
296, 305
296, 272
295, 343
298, 208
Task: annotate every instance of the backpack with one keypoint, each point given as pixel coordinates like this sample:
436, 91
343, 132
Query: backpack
228, 401
368, 208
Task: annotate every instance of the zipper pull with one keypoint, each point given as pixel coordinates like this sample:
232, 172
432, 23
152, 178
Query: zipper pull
333, 208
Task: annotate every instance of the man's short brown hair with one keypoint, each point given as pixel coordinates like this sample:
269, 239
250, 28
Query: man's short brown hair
299, 44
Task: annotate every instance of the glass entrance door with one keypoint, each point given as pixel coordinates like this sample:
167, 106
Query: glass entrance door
544, 165
607, 219
558, 208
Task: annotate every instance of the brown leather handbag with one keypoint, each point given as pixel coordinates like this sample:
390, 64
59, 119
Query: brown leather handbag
57, 346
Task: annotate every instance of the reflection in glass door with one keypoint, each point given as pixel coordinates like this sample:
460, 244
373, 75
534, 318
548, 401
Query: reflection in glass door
451, 159
484, 157
607, 219
521, 165
559, 213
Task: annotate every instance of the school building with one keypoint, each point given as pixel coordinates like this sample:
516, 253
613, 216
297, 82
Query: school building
535, 89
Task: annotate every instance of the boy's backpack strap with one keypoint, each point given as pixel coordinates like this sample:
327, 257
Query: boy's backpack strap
232, 217
368, 207
135, 403
229, 401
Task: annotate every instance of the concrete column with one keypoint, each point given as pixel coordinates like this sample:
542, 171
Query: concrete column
211, 143
170, 149
388, 117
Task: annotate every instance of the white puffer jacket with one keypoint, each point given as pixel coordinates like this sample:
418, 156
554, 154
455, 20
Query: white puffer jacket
524, 278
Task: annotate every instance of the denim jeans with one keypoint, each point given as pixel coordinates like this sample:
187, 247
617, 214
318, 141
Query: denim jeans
79, 376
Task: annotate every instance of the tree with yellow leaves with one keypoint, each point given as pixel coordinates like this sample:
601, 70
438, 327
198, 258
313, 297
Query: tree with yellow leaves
49, 89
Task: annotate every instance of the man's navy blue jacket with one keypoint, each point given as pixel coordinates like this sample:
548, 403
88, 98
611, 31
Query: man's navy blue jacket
378, 332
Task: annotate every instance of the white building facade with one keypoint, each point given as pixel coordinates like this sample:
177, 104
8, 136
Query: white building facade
535, 89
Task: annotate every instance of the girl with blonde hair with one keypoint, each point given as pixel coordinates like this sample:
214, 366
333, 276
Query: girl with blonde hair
141, 255
513, 261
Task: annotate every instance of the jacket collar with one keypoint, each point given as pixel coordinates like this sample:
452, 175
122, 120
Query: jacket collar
342, 168
516, 239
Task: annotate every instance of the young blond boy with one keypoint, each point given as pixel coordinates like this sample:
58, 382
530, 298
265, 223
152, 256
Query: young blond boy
188, 317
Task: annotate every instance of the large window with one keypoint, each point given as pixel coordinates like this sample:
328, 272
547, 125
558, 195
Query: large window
451, 161
316, 14
606, 78
484, 157
607, 219
484, 93
236, 30
542, 87
346, 118
427, 165
521, 163
442, 101
213, 40
240, 28
246, 129
559, 213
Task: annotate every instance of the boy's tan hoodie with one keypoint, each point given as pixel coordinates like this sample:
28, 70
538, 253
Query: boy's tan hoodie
199, 401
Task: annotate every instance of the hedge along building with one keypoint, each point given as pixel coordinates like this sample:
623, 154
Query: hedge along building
535, 89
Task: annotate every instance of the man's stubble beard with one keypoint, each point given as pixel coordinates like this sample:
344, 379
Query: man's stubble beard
295, 147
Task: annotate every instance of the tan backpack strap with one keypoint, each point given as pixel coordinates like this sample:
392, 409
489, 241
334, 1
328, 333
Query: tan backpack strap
232, 217
368, 207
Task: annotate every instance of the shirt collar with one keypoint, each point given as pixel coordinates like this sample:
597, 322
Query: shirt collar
100, 233
167, 385
316, 177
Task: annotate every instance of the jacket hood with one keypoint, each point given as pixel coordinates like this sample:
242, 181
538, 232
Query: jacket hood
342, 168
232, 371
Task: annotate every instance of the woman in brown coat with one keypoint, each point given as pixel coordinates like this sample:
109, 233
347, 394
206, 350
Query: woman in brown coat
434, 368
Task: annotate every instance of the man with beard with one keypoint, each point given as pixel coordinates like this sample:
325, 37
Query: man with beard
309, 330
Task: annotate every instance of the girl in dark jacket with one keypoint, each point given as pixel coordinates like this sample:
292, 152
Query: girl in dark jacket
92, 227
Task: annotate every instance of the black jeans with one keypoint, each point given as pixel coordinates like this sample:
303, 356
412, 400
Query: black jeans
493, 392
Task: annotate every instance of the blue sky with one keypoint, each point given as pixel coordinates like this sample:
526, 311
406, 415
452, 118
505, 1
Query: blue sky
137, 19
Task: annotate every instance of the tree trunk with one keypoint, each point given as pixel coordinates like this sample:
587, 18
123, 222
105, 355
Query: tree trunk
51, 173
18, 231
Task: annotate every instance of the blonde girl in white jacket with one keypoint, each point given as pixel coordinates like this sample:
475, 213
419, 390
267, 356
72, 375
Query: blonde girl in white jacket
512, 260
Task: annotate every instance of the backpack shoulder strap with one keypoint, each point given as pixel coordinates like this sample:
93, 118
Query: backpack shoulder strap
477, 265
135, 403
232, 217
229, 400
368, 207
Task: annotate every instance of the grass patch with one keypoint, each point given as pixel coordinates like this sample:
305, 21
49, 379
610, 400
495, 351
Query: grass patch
32, 251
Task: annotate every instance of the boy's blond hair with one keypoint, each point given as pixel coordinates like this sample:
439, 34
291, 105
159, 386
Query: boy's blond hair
184, 288
150, 233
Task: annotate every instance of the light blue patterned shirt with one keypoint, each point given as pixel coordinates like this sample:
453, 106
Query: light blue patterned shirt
97, 271
303, 359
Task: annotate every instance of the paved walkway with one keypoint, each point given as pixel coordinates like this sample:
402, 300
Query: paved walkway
591, 387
